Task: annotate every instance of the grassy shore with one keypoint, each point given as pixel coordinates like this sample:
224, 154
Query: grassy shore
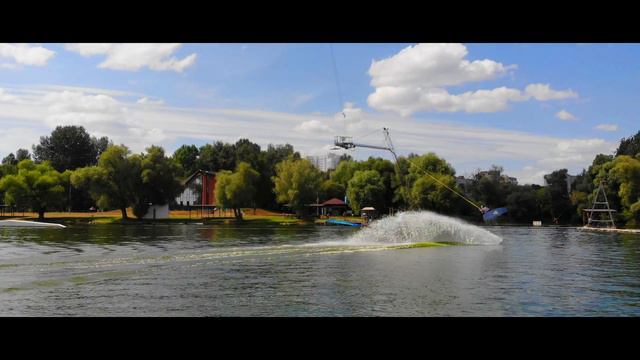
258, 217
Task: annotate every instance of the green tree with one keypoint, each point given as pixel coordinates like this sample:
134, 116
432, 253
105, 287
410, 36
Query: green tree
522, 204
265, 196
344, 172
419, 190
489, 187
560, 204
331, 189
297, 183
629, 146
159, 181
626, 170
388, 172
187, 157
426, 193
216, 157
38, 186
366, 188
235, 190
248, 152
10, 160
23, 154
115, 181
69, 148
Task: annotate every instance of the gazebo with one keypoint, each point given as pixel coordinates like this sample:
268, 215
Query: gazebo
334, 207
369, 212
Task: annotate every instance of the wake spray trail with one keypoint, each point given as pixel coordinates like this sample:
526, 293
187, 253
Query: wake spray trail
423, 226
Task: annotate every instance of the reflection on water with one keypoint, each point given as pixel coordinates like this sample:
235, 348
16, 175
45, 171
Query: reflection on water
196, 270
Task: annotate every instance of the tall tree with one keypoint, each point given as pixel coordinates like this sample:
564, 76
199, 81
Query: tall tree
10, 160
265, 196
629, 146
159, 181
366, 188
626, 170
38, 186
297, 183
69, 148
426, 193
561, 207
216, 157
23, 154
248, 152
235, 190
331, 189
115, 181
187, 157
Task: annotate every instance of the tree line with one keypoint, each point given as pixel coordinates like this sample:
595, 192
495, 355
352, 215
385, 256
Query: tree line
71, 170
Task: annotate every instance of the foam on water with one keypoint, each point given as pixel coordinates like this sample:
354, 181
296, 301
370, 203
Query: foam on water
422, 226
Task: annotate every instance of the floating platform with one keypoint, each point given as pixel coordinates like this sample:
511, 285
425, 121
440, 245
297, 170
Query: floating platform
343, 223
24, 223
610, 230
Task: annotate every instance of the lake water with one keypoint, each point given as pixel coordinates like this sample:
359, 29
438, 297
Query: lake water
200, 270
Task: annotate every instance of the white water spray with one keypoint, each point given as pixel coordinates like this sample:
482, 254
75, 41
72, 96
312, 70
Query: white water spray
423, 226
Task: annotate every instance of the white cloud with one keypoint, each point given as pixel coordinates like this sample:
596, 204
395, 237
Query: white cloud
543, 92
14, 138
6, 97
415, 79
432, 65
146, 100
406, 101
313, 127
138, 125
350, 113
607, 127
24, 54
565, 115
89, 49
133, 57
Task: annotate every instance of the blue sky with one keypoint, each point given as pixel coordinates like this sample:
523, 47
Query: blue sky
528, 107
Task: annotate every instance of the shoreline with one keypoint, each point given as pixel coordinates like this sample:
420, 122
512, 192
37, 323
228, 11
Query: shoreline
263, 219
610, 230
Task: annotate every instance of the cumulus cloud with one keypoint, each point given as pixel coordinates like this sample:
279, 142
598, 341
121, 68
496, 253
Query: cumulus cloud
432, 65
415, 79
607, 127
407, 101
565, 115
133, 57
24, 54
543, 92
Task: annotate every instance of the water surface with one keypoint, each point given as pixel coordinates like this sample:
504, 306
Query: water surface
199, 270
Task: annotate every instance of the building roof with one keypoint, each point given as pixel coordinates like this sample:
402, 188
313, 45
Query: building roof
190, 178
334, 202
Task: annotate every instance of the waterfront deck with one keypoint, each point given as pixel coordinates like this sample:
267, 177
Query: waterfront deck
614, 230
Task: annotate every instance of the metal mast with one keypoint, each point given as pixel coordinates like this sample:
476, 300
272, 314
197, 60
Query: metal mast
610, 223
